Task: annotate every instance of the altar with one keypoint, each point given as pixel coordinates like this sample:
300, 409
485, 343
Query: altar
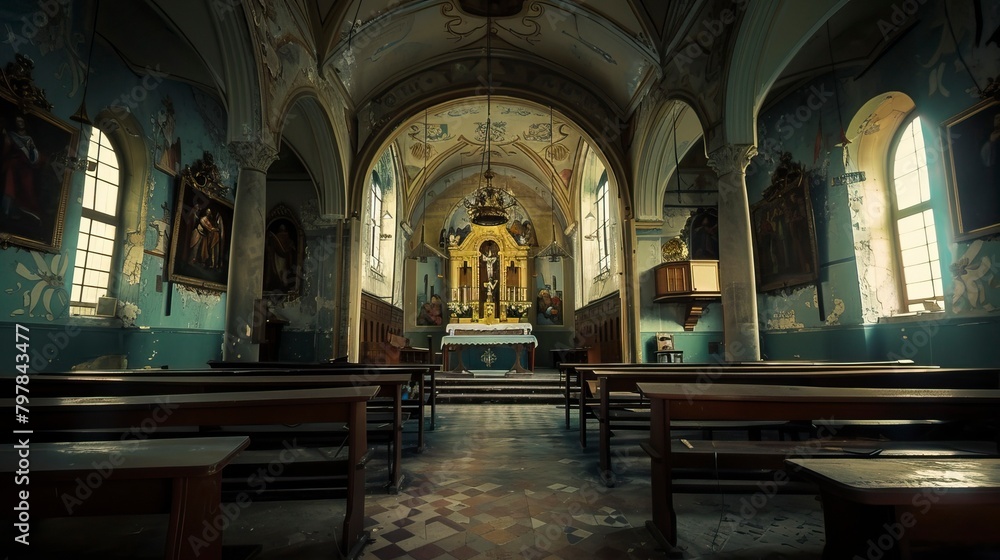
518, 343
488, 303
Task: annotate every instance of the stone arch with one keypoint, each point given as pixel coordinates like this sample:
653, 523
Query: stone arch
760, 55
655, 165
872, 130
135, 167
307, 129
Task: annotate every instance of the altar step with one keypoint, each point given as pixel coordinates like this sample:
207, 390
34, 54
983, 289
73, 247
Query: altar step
544, 389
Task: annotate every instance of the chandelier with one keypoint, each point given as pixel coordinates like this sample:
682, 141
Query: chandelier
554, 252
423, 251
490, 204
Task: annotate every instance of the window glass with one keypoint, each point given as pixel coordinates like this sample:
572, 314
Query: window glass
98, 227
914, 219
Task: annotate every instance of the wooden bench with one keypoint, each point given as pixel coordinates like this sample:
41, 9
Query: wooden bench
140, 383
180, 477
611, 381
575, 375
137, 413
423, 375
675, 401
886, 507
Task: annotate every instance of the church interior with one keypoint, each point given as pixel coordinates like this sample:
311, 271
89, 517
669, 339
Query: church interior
481, 191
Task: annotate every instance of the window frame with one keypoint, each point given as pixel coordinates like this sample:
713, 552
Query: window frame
80, 270
375, 203
602, 232
897, 214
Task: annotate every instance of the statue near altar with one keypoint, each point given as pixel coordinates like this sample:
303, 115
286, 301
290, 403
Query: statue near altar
488, 274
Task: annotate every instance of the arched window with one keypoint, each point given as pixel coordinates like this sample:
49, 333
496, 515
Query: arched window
603, 225
95, 248
913, 219
375, 212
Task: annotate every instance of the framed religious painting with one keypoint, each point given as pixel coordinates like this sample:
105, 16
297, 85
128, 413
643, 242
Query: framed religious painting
36, 179
784, 234
284, 250
972, 152
201, 237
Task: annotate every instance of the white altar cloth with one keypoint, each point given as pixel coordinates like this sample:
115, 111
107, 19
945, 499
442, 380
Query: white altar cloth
483, 328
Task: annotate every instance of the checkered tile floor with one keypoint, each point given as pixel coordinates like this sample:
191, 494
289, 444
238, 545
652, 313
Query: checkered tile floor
500, 482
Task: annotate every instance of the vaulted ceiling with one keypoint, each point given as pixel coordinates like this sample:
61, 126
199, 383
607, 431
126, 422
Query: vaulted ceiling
607, 67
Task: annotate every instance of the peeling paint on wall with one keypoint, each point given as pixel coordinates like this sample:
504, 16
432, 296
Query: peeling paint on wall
132, 260
191, 297
783, 320
838, 309
128, 312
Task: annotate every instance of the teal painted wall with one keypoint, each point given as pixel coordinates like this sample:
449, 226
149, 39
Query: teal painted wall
174, 325
924, 65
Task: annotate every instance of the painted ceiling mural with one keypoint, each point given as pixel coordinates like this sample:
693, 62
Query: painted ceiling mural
524, 151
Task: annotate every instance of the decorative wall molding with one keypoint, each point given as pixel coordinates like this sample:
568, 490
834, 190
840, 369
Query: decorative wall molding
731, 158
253, 154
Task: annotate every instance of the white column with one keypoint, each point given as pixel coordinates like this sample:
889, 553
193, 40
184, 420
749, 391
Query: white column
246, 265
736, 270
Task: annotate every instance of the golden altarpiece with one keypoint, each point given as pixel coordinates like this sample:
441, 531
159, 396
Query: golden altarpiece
488, 274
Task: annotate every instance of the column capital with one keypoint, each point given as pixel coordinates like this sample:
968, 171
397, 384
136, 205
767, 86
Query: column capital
253, 154
731, 158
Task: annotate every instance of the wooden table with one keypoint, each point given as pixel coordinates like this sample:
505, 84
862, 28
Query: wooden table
881, 506
180, 476
720, 401
337, 405
389, 385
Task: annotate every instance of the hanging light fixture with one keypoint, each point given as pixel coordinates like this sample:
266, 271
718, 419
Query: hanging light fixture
848, 177
553, 251
490, 204
70, 161
423, 251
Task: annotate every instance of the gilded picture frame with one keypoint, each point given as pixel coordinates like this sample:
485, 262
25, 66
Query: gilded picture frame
784, 231
201, 238
971, 142
36, 180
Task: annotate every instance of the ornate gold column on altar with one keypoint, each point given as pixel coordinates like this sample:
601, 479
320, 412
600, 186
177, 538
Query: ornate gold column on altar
488, 278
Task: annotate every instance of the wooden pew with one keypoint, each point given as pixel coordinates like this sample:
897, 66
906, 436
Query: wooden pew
422, 374
336, 405
181, 477
721, 401
884, 506
574, 382
626, 381
138, 383
850, 375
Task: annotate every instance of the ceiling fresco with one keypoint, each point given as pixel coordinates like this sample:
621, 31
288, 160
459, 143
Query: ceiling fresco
524, 152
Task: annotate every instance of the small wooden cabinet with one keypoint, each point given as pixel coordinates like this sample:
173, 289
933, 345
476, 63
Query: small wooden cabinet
695, 283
